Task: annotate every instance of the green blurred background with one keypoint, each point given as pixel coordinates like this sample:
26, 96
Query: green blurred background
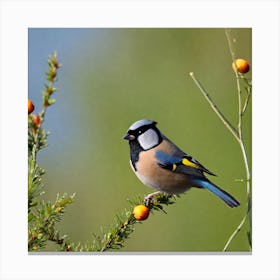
113, 77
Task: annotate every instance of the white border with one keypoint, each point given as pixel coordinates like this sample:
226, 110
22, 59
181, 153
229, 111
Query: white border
17, 16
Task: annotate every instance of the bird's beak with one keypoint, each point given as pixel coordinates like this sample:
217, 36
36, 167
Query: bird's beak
129, 137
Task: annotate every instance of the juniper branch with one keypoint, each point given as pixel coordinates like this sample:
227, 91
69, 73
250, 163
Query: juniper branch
42, 220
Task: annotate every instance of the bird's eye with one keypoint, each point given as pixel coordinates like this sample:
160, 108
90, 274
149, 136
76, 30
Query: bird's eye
139, 131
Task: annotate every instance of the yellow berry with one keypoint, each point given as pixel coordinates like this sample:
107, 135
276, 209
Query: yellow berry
241, 65
141, 212
30, 106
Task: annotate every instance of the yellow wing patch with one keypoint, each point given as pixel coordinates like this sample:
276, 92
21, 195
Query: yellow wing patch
187, 162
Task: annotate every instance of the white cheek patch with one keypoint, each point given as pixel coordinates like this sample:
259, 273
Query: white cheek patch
148, 139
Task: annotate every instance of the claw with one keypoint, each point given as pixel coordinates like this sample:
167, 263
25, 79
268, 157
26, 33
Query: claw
149, 198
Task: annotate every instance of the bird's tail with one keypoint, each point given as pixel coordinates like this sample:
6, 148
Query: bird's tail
226, 197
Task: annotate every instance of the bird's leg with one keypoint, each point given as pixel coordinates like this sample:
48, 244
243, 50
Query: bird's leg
148, 198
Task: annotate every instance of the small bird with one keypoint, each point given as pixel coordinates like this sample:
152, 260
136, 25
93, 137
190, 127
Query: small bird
160, 164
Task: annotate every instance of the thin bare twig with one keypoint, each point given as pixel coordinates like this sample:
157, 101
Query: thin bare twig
237, 133
241, 143
215, 107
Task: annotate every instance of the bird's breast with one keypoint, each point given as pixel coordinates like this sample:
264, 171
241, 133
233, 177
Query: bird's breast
150, 174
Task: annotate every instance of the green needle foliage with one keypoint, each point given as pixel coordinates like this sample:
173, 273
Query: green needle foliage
42, 215
124, 223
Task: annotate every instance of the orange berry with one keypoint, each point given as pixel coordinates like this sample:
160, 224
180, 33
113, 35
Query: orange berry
141, 212
30, 106
241, 65
36, 119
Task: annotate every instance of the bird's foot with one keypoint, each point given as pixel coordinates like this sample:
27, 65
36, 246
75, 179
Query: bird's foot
149, 198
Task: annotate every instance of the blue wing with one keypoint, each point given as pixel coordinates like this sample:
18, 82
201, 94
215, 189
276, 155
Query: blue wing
185, 164
194, 169
166, 159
